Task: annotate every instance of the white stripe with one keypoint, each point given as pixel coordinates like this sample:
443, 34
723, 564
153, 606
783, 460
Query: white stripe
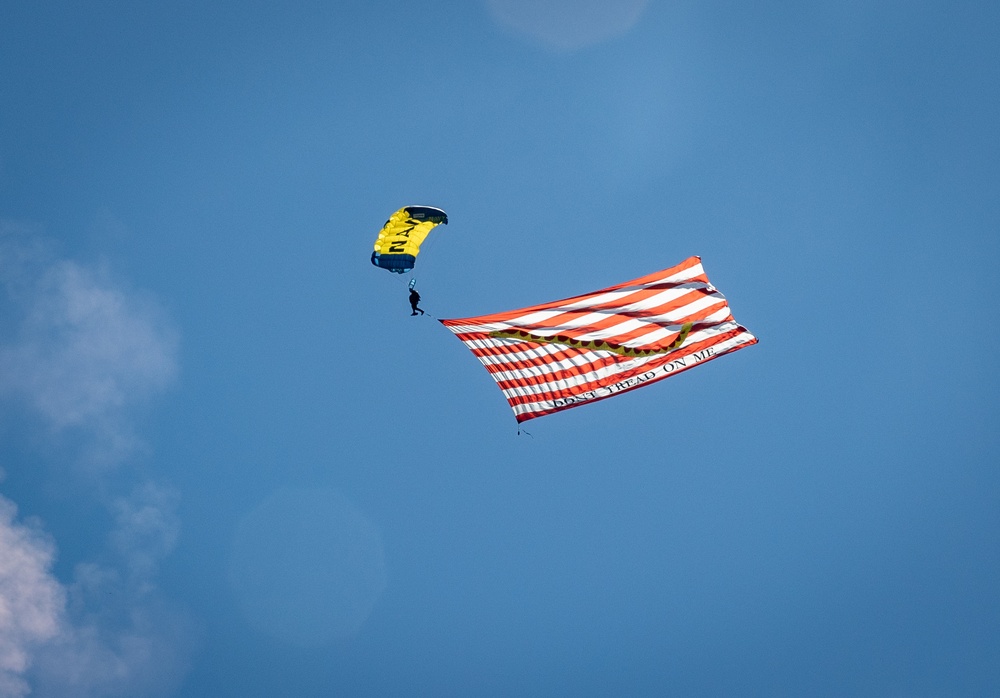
621, 328
681, 313
508, 356
675, 315
565, 384
681, 316
541, 370
669, 295
722, 348
543, 351
479, 327
657, 336
600, 373
611, 296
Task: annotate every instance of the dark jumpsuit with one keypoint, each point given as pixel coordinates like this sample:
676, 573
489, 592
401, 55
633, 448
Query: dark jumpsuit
414, 299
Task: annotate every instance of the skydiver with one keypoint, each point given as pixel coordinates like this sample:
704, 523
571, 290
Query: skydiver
414, 299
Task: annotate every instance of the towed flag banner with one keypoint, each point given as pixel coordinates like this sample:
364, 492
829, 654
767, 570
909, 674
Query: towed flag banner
550, 357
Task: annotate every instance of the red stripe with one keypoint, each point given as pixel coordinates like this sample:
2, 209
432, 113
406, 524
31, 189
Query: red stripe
618, 339
553, 376
616, 319
619, 306
656, 277
541, 413
613, 314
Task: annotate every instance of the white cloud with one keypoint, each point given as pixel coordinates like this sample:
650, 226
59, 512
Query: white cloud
121, 638
568, 25
31, 600
148, 658
146, 529
84, 351
109, 633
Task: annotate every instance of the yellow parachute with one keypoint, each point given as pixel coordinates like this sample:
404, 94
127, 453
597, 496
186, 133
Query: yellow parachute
399, 240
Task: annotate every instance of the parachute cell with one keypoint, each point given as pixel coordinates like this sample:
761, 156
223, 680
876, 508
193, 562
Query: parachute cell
398, 242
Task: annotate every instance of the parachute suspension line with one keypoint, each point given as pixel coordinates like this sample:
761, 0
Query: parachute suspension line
409, 285
521, 430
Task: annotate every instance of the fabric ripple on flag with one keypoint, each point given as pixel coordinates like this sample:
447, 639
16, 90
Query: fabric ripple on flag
562, 354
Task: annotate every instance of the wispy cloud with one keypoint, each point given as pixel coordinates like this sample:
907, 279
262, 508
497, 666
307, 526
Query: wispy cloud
146, 530
31, 599
120, 637
108, 633
82, 352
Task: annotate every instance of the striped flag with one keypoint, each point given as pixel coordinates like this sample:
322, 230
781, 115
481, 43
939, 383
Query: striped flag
558, 355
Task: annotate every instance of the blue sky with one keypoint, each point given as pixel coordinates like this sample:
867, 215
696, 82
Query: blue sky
233, 464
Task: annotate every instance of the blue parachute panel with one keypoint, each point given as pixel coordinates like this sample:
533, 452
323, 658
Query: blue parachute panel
398, 263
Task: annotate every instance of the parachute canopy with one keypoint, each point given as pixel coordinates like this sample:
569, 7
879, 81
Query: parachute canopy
399, 240
558, 355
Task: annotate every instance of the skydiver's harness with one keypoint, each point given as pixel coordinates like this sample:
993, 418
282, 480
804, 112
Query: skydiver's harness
410, 285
